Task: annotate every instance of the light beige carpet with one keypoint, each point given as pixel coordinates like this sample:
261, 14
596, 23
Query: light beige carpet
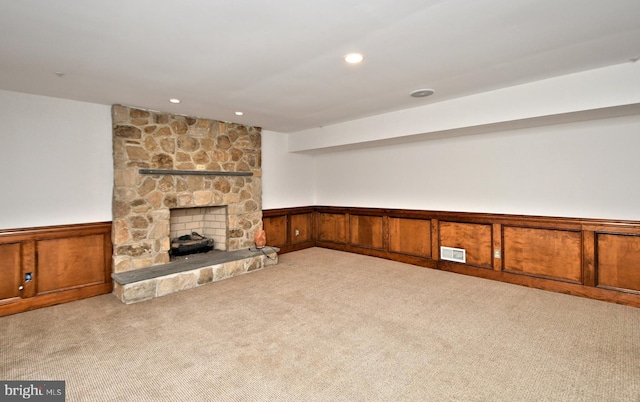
325, 325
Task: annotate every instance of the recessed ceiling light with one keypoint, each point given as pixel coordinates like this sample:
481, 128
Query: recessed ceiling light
421, 93
174, 100
239, 113
353, 58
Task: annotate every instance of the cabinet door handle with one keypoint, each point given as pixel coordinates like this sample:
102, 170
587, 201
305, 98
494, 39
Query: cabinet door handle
20, 287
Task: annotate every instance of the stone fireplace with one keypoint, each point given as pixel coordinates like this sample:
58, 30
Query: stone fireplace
164, 163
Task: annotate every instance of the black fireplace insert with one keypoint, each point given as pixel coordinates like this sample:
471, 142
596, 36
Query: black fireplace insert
191, 244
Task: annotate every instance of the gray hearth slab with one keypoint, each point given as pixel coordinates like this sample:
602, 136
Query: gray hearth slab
197, 261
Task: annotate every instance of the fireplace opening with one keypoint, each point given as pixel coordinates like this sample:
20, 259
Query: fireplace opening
191, 244
197, 231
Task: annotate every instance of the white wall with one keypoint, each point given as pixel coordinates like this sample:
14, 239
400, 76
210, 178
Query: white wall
571, 151
56, 161
57, 168
585, 95
57, 164
585, 169
287, 177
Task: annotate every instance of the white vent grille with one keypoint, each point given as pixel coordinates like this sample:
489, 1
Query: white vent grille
453, 254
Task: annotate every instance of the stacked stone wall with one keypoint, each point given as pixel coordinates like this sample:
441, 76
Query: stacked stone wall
145, 139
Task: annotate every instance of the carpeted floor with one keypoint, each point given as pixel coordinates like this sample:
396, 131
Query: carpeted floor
325, 325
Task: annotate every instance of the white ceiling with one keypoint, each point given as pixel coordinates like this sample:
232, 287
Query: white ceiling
280, 61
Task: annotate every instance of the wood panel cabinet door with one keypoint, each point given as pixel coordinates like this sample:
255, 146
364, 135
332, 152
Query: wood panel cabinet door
70, 262
475, 238
543, 252
618, 262
366, 231
10, 272
332, 228
276, 229
410, 236
300, 228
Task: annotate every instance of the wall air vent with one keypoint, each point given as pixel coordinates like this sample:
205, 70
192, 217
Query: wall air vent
453, 254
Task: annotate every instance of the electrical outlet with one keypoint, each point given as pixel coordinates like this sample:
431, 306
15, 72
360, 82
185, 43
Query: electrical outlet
297, 232
496, 253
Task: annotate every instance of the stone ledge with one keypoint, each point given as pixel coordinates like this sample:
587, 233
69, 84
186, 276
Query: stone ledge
160, 280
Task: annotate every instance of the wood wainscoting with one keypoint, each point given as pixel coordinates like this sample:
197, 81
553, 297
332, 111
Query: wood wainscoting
289, 229
51, 265
594, 258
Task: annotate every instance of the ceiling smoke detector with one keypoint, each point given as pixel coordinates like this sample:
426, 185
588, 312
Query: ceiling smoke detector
421, 93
